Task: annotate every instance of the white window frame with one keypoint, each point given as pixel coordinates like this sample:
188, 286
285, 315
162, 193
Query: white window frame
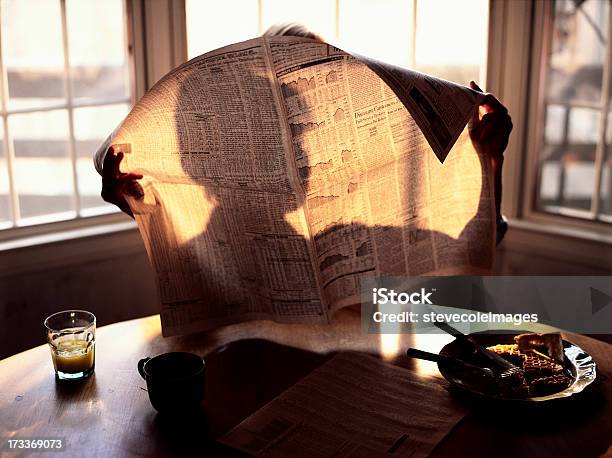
515, 70
518, 46
79, 225
579, 220
157, 43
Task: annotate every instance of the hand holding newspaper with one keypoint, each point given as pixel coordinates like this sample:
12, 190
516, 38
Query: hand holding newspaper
280, 171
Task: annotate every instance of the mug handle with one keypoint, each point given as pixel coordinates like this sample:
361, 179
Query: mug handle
141, 364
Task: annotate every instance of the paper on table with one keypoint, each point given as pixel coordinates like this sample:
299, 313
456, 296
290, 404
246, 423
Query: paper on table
280, 171
354, 405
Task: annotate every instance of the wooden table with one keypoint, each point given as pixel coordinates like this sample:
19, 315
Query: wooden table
248, 365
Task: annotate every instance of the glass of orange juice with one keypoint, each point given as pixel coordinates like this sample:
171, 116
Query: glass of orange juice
71, 335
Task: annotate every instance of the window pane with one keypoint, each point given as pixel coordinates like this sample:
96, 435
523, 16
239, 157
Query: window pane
572, 114
577, 51
554, 133
42, 172
211, 27
91, 127
568, 165
33, 52
97, 44
5, 209
453, 44
377, 28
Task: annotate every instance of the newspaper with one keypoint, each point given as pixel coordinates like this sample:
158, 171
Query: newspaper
354, 405
280, 171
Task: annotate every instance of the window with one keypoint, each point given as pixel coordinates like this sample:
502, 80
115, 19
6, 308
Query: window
409, 33
64, 86
574, 167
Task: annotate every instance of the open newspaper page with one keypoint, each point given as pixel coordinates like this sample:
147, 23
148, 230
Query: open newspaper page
353, 406
223, 227
278, 172
369, 140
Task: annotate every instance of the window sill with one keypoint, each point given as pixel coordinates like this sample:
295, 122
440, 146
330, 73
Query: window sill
30, 241
96, 241
68, 223
561, 231
559, 243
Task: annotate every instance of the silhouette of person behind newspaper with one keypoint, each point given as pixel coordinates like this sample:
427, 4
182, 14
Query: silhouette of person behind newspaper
273, 266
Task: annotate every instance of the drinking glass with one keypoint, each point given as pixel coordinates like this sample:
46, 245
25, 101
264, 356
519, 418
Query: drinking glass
71, 335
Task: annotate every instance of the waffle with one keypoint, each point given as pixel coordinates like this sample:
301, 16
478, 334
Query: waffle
550, 384
541, 358
509, 352
536, 366
550, 344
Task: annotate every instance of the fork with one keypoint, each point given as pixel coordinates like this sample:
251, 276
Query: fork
509, 371
437, 358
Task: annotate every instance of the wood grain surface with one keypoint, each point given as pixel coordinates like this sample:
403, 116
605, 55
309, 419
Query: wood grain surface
249, 364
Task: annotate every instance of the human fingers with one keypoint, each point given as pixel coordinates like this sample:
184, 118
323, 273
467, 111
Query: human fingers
125, 185
494, 133
474, 125
132, 176
500, 120
475, 86
108, 166
114, 188
118, 159
492, 104
114, 172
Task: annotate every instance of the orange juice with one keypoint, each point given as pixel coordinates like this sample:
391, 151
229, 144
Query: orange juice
73, 356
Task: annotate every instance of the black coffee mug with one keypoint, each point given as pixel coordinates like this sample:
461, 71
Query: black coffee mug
175, 381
